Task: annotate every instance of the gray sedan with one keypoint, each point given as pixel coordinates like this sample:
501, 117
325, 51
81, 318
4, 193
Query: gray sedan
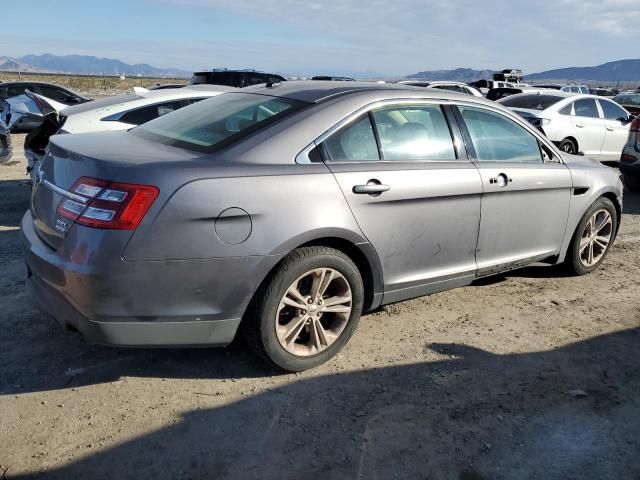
285, 211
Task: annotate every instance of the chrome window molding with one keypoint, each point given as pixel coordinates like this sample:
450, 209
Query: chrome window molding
303, 156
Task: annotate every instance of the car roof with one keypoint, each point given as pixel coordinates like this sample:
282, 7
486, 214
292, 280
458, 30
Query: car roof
318, 91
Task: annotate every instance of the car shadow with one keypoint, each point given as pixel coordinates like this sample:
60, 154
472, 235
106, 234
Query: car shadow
570, 412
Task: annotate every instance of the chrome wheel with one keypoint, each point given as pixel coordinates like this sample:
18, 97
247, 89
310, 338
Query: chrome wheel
568, 147
595, 238
313, 312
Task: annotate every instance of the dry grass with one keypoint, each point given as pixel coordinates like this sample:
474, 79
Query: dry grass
91, 85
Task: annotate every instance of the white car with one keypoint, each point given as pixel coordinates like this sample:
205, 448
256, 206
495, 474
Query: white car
459, 87
120, 112
585, 124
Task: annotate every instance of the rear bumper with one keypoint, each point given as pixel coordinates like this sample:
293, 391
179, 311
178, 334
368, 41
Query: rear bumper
132, 334
144, 303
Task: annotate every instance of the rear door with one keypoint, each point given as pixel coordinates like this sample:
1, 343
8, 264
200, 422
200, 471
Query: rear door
415, 197
616, 122
526, 194
589, 127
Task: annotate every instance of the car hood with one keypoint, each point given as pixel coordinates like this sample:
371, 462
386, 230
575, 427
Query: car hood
580, 161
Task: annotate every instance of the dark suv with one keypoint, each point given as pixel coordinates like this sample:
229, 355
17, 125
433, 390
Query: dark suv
234, 78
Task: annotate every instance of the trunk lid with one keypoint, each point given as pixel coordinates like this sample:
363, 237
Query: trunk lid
101, 156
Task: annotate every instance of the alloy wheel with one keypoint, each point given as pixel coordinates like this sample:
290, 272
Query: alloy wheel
595, 238
313, 312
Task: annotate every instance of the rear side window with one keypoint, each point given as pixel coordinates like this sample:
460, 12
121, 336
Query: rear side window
353, 143
566, 110
55, 94
230, 79
612, 111
200, 78
414, 133
586, 107
15, 90
499, 139
146, 114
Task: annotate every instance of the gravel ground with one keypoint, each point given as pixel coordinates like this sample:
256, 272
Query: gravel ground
532, 374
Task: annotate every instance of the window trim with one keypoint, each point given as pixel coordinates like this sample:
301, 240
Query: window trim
303, 156
604, 101
594, 100
471, 147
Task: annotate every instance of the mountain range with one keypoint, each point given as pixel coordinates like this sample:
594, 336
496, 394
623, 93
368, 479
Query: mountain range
84, 64
621, 70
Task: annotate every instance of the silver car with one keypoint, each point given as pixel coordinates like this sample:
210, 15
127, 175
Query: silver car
286, 211
594, 126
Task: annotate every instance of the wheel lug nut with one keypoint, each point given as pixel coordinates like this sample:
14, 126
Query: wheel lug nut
304, 312
310, 300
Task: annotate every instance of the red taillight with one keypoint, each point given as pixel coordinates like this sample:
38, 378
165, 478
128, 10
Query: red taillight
110, 205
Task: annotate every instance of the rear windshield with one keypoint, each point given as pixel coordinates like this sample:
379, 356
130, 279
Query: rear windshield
218, 122
103, 102
533, 102
627, 100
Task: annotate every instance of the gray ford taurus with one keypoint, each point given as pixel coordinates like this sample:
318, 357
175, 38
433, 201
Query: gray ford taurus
285, 211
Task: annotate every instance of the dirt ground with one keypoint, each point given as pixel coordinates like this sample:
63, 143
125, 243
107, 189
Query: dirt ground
532, 374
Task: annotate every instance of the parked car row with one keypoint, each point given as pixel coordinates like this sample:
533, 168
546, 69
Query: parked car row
284, 211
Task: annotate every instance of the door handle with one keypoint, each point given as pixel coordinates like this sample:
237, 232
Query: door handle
579, 125
373, 187
502, 180
609, 129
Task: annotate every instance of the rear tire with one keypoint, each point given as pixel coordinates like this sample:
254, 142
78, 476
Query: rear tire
296, 324
632, 182
593, 237
568, 146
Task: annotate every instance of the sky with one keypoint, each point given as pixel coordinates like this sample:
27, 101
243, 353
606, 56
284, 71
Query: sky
341, 37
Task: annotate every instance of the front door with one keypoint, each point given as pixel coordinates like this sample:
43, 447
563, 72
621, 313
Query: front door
588, 126
616, 122
526, 193
416, 199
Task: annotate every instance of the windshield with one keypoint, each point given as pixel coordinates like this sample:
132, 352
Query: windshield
533, 102
217, 122
628, 100
103, 102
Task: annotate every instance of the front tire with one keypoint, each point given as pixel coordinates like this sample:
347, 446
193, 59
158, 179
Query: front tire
593, 237
308, 309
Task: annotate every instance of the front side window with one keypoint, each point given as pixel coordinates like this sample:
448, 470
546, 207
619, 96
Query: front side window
499, 139
586, 107
415, 133
353, 143
219, 121
612, 111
